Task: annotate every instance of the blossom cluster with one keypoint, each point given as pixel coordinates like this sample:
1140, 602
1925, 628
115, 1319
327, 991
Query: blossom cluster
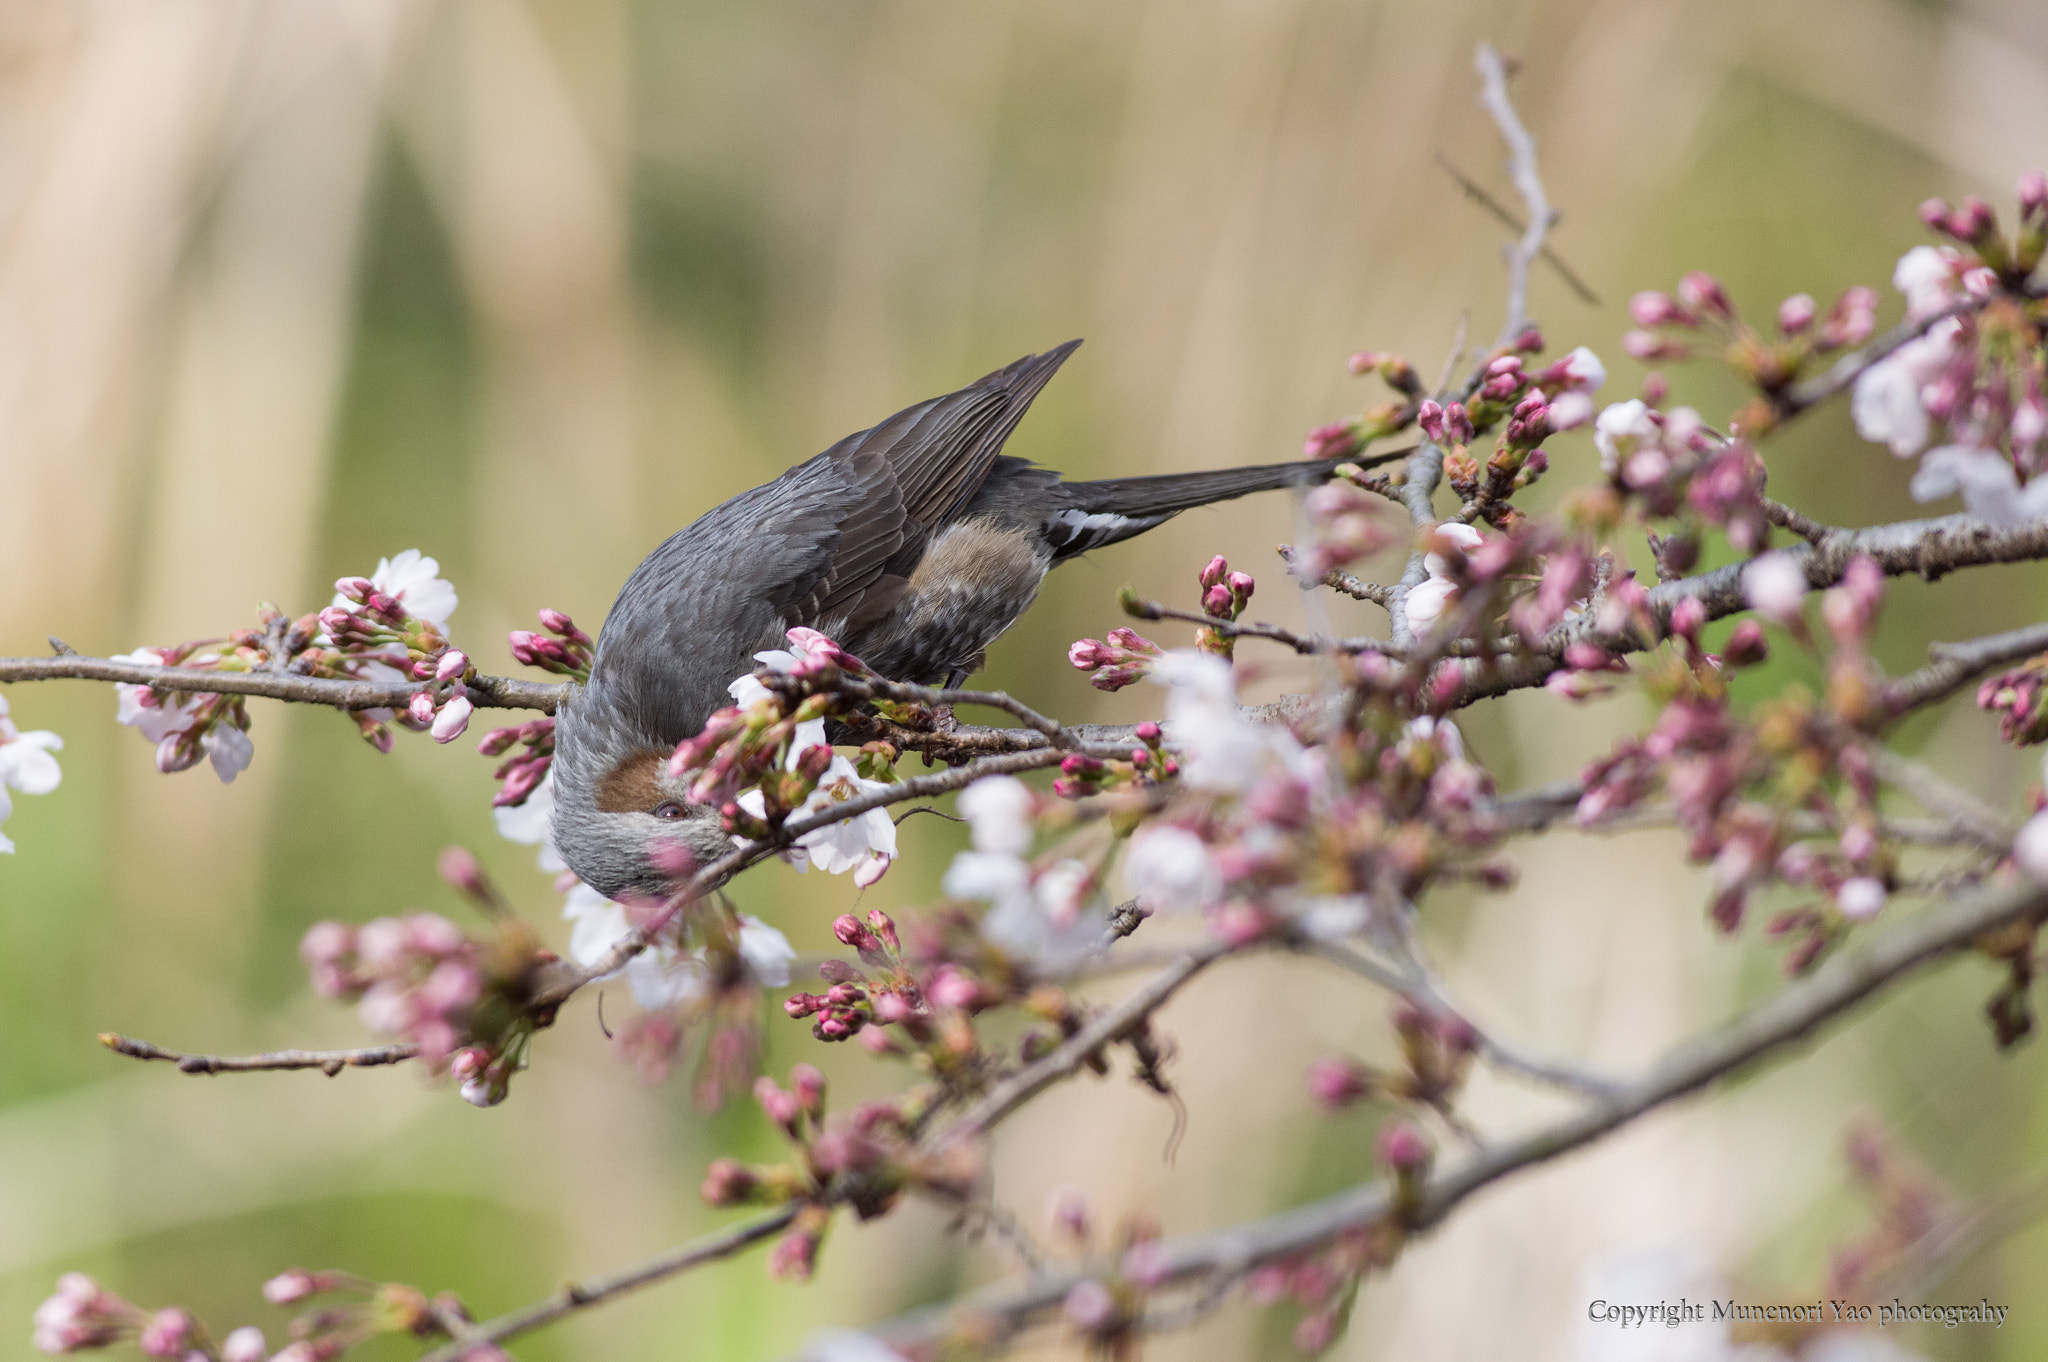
459, 999
865, 1160
83, 1316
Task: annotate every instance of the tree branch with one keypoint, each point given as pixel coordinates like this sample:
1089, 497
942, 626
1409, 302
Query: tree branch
997, 1312
330, 1062
485, 692
1493, 96
594, 1290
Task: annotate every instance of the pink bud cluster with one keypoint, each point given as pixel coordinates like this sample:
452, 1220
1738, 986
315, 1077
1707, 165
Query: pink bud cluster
1671, 466
854, 998
864, 1160
419, 977
1771, 363
374, 632
1224, 597
746, 746
520, 773
1122, 659
564, 650
1736, 784
83, 1316
2020, 699
184, 725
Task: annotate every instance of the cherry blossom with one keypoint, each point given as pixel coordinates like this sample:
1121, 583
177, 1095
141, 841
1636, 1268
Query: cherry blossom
531, 823
1774, 583
1221, 749
1888, 403
665, 975
25, 764
1428, 599
158, 716
1621, 429
414, 581
1990, 489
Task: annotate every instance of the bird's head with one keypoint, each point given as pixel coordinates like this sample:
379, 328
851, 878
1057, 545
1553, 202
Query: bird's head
623, 824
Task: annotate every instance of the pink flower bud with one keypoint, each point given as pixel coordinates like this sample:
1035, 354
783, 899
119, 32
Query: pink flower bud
1338, 440
421, 708
294, 1285
453, 719
955, 988
781, 1107
1091, 1307
1430, 417
851, 931
809, 1086
1218, 568
1216, 602
1702, 292
1335, 1083
245, 1344
1148, 732
357, 589
1457, 423
1746, 645
1796, 313
1400, 1147
1687, 617
884, 927
728, 1183
1652, 308
452, 665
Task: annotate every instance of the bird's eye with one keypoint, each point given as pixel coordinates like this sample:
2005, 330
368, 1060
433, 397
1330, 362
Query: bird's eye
668, 808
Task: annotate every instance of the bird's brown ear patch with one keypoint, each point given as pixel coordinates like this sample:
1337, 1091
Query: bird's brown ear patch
630, 787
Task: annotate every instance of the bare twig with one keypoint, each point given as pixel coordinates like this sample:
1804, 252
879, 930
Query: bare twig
593, 1290
1800, 523
1789, 402
1493, 96
1477, 193
1955, 665
1423, 992
1339, 580
1984, 824
1112, 1026
485, 692
329, 1062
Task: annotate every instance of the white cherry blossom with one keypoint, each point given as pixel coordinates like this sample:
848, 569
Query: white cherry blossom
1620, 430
1169, 869
414, 581
532, 823
1990, 489
998, 809
25, 764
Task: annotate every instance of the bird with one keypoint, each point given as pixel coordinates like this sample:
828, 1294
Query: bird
913, 545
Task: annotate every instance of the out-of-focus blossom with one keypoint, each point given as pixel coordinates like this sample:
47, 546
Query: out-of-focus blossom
766, 951
1427, 600
1169, 869
1889, 403
25, 764
1926, 275
1621, 430
1774, 583
998, 810
228, 747
531, 823
80, 1315
1221, 749
1581, 371
1990, 489
1860, 898
245, 1344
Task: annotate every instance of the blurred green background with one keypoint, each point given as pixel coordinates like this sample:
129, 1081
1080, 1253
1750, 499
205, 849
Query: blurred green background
284, 288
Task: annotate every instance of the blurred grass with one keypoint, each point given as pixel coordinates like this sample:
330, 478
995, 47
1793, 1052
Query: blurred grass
615, 262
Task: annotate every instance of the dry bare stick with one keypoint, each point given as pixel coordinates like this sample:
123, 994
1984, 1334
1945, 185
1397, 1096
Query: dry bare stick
330, 1062
595, 1290
996, 1312
1477, 193
485, 692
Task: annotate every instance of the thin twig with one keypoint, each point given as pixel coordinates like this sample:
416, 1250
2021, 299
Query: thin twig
1986, 825
592, 1290
330, 1062
1477, 193
1106, 1029
1955, 665
485, 692
1493, 96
